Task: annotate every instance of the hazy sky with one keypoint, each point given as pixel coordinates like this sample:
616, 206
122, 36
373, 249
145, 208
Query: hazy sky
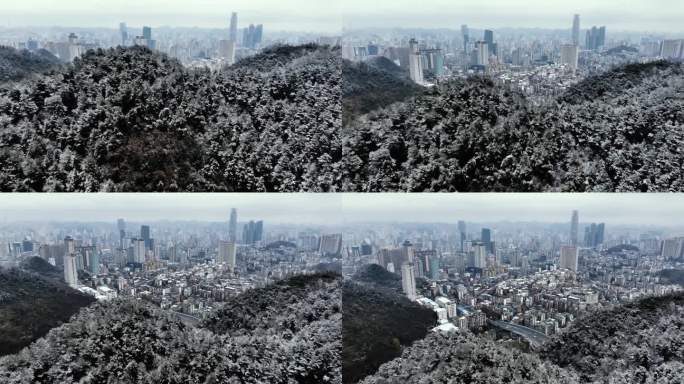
634, 15
293, 15
330, 15
611, 208
614, 209
274, 208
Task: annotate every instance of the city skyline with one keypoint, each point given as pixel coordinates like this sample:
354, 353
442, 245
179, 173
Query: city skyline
288, 15
214, 207
661, 210
639, 16
655, 209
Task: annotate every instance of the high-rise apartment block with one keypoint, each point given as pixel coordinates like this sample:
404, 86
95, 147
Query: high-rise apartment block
233, 27
569, 255
415, 62
408, 280
227, 253
570, 56
574, 227
576, 30
232, 226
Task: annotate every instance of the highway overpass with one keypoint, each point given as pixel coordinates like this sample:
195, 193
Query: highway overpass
535, 338
187, 319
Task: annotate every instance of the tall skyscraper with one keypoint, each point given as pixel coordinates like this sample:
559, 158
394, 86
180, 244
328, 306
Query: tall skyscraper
481, 54
253, 232
226, 253
70, 271
479, 255
123, 29
593, 234
434, 267
486, 239
259, 231
69, 246
173, 253
570, 56
415, 62
252, 36
462, 234
330, 245
121, 226
488, 36
600, 233
672, 49
94, 261
233, 27
672, 248
408, 280
258, 34
489, 39
576, 30
568, 257
574, 223
466, 38
232, 225
596, 38
139, 250
227, 51
145, 235
147, 33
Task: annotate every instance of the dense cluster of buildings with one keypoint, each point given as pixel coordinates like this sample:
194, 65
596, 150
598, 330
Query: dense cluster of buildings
541, 64
194, 47
534, 281
190, 271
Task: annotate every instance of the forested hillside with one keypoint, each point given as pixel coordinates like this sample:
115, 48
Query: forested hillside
640, 342
20, 64
282, 308
377, 323
40, 266
462, 358
637, 343
376, 275
376, 83
125, 341
33, 301
134, 120
619, 131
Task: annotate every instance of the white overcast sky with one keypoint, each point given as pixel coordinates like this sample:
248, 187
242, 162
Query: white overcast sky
628, 15
276, 15
614, 208
330, 15
611, 208
274, 208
